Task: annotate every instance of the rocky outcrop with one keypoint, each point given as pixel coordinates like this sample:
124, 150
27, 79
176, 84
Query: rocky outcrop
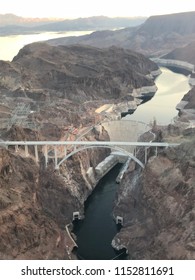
185, 53
187, 108
158, 207
185, 58
190, 98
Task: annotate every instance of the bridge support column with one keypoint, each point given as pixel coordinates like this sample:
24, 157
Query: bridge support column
156, 151
16, 148
65, 151
36, 153
146, 154
46, 155
55, 156
26, 151
135, 151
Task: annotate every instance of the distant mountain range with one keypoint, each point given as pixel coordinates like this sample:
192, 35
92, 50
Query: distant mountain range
12, 24
157, 36
11, 19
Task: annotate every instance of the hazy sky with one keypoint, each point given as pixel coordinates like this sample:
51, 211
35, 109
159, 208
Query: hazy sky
86, 8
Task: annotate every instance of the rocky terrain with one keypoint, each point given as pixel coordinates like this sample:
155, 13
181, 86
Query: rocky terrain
187, 105
186, 53
37, 203
81, 73
58, 85
158, 35
190, 99
58, 89
158, 206
186, 108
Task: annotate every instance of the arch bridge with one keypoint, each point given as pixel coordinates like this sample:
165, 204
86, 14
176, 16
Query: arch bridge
62, 150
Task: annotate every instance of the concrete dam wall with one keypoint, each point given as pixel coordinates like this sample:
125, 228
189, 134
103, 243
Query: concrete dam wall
125, 130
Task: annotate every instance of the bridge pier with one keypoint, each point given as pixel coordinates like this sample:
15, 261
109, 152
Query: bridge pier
55, 156
65, 151
36, 154
146, 155
26, 151
46, 155
135, 151
156, 151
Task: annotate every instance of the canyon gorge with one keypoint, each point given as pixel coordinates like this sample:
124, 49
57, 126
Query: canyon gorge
74, 91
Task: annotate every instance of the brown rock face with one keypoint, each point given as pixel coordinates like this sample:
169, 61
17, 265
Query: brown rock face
81, 73
27, 230
36, 203
159, 221
62, 86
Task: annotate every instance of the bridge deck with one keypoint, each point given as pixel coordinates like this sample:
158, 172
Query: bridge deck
72, 147
88, 143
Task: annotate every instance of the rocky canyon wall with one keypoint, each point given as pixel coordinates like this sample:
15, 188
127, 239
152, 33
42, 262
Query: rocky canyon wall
37, 203
158, 207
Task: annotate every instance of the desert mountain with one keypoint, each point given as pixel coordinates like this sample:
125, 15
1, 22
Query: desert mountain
66, 84
11, 19
158, 35
79, 73
93, 23
12, 24
186, 53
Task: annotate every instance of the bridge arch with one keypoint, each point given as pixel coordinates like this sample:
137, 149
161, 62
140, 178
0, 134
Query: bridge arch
100, 146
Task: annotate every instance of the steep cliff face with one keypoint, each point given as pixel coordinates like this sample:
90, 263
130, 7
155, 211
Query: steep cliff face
27, 232
36, 203
158, 207
180, 23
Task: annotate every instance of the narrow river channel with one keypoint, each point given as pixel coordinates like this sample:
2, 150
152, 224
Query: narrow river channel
96, 231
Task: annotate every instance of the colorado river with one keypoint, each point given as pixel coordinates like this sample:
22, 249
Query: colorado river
96, 231
171, 88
